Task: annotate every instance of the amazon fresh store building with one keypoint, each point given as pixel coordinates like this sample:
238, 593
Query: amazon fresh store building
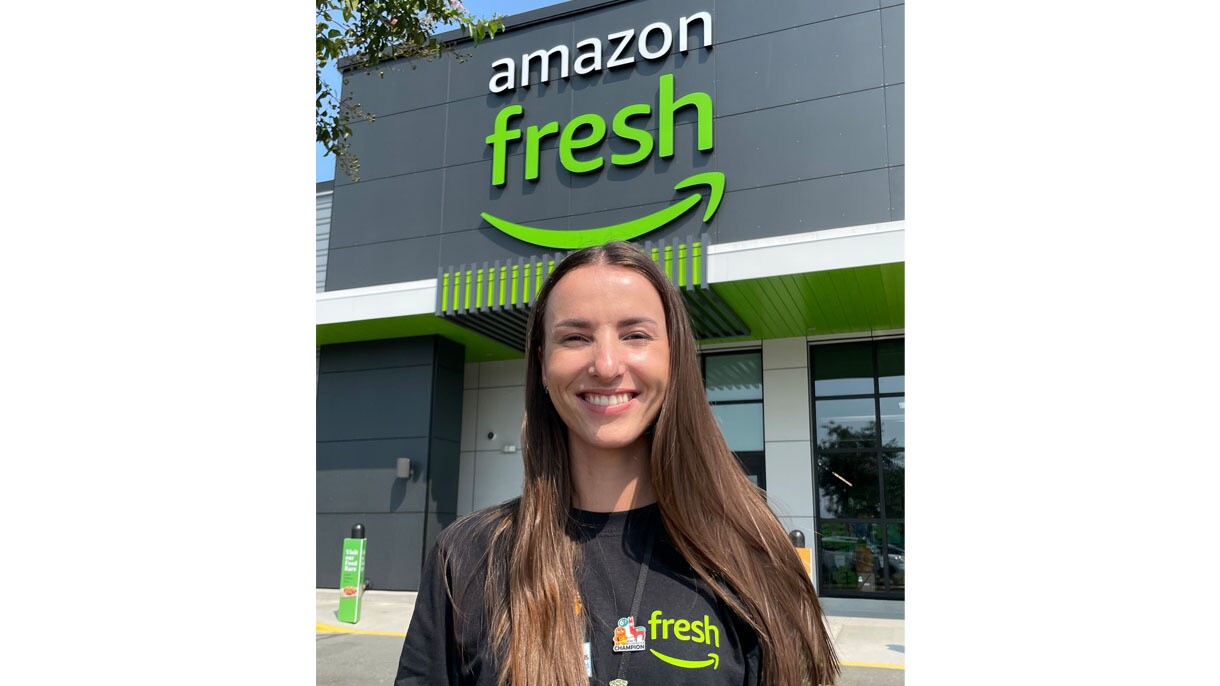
755, 149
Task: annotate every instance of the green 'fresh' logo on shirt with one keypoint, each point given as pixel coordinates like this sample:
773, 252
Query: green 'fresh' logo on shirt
698, 631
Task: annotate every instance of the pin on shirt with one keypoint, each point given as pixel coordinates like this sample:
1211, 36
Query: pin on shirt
627, 637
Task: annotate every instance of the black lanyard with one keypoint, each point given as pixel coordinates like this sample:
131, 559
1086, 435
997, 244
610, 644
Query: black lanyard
635, 602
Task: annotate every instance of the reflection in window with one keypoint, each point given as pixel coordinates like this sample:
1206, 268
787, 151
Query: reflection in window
893, 422
893, 467
733, 376
848, 423
848, 487
850, 557
741, 424
845, 369
859, 415
734, 390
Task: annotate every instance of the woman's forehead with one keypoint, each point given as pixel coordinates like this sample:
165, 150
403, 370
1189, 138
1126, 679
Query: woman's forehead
600, 290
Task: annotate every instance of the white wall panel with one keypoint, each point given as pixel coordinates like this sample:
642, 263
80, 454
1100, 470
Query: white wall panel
790, 478
785, 353
502, 373
785, 406
470, 412
500, 411
465, 497
497, 477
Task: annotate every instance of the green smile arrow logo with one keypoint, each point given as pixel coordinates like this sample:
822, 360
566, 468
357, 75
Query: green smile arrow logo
568, 239
689, 664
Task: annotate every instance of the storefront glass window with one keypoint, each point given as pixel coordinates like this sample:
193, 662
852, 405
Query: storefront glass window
859, 415
848, 487
850, 558
846, 369
734, 390
891, 368
847, 423
736, 376
893, 422
893, 467
741, 424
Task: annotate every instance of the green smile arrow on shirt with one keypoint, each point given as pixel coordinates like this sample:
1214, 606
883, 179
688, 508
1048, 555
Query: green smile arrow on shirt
689, 664
580, 238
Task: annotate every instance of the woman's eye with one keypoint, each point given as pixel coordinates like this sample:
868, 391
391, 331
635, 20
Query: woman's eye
638, 336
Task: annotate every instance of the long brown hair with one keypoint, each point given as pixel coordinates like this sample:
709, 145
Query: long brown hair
717, 519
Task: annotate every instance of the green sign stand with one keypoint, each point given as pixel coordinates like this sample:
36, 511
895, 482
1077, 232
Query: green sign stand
351, 580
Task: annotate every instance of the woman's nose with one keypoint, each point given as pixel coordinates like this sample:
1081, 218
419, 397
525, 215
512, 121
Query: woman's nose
607, 360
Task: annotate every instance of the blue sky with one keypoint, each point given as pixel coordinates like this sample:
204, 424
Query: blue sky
480, 8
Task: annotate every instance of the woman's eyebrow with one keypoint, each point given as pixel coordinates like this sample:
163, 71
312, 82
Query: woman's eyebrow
632, 321
573, 323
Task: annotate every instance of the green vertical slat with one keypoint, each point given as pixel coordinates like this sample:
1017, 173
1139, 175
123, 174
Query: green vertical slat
681, 265
469, 277
503, 282
478, 288
654, 255
444, 291
669, 271
513, 300
697, 251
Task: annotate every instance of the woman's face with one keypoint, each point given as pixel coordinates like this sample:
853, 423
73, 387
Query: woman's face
605, 359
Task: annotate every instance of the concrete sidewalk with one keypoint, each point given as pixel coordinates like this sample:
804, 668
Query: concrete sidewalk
877, 642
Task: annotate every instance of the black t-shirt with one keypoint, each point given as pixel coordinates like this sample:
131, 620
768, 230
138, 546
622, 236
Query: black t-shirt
690, 636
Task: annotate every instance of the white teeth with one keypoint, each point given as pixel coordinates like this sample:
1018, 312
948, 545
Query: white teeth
607, 400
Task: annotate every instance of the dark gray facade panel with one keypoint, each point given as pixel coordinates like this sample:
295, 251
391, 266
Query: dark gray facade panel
444, 461
807, 140
487, 244
447, 404
802, 63
474, 81
379, 210
401, 144
433, 525
379, 403
736, 20
473, 119
394, 553
451, 356
893, 30
814, 71
689, 224
397, 352
382, 263
897, 193
517, 200
395, 87
825, 203
895, 124
359, 476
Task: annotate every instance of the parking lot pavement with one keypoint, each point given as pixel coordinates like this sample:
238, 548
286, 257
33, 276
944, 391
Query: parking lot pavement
871, 649
368, 660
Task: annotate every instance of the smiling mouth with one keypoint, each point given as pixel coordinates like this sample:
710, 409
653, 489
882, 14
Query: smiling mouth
607, 400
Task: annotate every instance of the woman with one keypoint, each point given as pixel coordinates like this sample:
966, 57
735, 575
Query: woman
638, 552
